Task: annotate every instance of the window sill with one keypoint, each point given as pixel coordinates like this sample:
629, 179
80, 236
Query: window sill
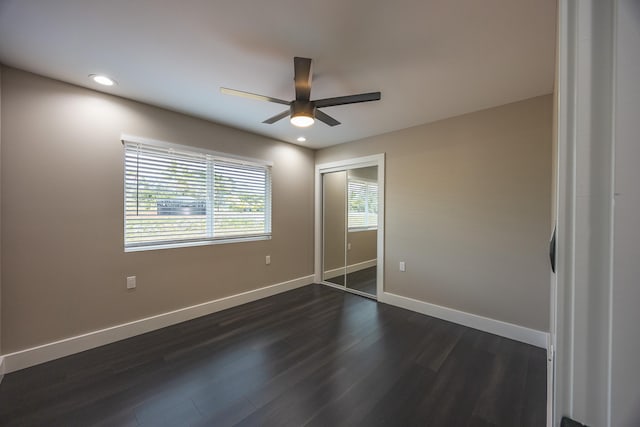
358, 229
153, 247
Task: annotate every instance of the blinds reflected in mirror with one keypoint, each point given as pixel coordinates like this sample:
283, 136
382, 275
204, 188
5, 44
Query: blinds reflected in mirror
362, 204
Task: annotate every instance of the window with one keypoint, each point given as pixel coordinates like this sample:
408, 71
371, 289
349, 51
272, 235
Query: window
179, 196
363, 204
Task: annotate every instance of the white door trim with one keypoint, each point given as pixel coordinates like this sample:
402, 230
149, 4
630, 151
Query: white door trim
342, 165
586, 152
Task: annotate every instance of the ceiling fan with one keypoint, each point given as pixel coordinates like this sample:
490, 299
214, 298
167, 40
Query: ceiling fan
302, 110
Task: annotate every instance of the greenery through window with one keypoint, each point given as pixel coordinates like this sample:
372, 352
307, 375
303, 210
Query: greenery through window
363, 204
176, 196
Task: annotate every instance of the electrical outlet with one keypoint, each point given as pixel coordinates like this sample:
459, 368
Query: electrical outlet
267, 259
403, 266
131, 282
348, 246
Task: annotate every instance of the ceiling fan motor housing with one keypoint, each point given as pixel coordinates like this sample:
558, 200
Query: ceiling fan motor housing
303, 108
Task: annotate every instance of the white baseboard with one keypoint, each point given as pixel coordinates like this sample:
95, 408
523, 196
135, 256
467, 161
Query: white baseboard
54, 350
330, 274
493, 326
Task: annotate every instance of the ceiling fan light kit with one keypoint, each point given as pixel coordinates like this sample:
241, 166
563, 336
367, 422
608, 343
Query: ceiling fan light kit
302, 114
303, 111
302, 121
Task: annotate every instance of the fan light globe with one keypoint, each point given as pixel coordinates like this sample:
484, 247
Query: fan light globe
302, 121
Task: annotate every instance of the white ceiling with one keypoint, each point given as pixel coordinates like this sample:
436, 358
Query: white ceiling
431, 59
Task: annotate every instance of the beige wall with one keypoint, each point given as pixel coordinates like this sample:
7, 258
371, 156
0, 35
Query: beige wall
334, 197
369, 172
467, 207
64, 266
363, 246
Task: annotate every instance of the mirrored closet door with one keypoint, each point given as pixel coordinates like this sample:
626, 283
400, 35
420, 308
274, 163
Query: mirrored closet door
362, 229
350, 227
334, 185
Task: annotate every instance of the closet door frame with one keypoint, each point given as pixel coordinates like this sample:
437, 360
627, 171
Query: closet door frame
345, 165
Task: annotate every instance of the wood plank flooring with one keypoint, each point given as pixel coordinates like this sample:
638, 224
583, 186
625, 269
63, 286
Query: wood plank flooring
314, 356
362, 280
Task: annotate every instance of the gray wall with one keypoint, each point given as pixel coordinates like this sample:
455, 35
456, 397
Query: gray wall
468, 209
598, 213
1, 73
593, 215
63, 265
625, 392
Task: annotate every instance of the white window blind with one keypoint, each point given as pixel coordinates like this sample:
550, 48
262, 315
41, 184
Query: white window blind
363, 204
182, 197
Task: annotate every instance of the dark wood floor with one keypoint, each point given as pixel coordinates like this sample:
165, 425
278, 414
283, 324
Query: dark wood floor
314, 356
362, 280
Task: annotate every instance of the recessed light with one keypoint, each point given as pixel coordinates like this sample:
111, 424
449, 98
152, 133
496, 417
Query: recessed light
102, 79
301, 139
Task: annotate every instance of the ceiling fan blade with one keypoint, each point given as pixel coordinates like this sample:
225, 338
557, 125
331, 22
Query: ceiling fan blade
272, 120
227, 91
349, 99
302, 78
325, 118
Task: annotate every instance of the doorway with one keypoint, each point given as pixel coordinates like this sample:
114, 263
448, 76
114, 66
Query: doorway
350, 225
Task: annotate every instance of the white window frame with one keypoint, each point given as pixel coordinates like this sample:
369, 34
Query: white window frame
214, 155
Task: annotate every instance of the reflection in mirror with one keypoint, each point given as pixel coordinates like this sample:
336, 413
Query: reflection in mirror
362, 232
334, 197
